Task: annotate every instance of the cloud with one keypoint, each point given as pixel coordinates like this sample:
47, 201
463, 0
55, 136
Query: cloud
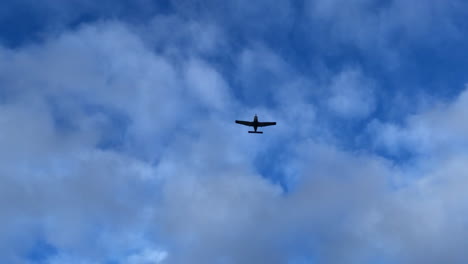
118, 146
192, 37
240, 16
366, 22
345, 208
208, 86
352, 95
148, 256
435, 131
64, 100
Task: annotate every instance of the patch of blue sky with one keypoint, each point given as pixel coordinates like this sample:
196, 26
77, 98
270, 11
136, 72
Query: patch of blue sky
20, 23
23, 22
40, 252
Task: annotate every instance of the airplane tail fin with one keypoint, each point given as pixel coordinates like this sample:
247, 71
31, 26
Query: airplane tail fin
256, 132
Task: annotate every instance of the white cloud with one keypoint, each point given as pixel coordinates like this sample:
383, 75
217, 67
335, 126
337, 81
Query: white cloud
207, 85
61, 98
262, 75
435, 131
192, 37
352, 95
148, 256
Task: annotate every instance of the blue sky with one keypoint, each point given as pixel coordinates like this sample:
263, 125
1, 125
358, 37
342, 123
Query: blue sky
119, 143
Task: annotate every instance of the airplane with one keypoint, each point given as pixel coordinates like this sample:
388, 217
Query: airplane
255, 124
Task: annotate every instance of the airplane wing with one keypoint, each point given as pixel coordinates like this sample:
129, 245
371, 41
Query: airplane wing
245, 123
262, 124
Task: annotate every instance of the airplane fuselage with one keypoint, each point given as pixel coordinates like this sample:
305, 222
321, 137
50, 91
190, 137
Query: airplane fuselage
255, 123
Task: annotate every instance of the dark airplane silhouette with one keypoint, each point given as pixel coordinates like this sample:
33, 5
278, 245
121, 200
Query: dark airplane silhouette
255, 124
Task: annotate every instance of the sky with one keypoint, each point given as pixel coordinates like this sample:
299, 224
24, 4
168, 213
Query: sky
118, 141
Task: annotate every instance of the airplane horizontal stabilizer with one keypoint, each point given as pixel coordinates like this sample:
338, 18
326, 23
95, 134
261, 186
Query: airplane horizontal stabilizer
256, 132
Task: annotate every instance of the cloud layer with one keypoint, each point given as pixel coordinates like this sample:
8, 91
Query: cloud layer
118, 141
